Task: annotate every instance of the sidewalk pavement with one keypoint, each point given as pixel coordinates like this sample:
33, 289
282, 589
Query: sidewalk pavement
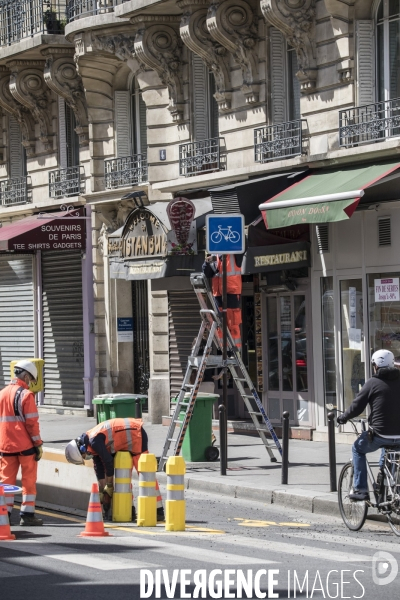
250, 473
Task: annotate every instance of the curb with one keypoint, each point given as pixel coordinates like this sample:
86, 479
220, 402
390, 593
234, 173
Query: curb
314, 502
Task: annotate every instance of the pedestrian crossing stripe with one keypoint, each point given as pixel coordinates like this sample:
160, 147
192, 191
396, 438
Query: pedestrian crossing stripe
255, 523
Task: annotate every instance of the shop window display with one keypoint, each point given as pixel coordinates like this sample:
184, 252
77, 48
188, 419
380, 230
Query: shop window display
384, 313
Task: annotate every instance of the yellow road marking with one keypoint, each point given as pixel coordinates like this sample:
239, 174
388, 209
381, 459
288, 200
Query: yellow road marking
204, 529
255, 523
294, 524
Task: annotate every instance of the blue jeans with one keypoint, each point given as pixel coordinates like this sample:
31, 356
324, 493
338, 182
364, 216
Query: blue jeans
363, 446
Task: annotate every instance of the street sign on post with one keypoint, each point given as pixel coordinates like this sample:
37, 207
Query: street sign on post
225, 234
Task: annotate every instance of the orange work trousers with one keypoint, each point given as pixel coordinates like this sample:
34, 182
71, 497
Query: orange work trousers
234, 317
9, 466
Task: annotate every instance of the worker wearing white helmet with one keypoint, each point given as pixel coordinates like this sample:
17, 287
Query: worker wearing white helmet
20, 441
382, 394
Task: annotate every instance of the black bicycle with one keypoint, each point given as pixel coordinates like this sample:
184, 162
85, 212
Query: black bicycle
385, 490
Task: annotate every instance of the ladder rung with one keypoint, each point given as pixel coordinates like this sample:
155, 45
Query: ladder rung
172, 439
252, 412
247, 396
178, 421
239, 379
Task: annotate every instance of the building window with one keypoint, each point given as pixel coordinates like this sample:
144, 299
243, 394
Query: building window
139, 121
293, 85
205, 106
384, 313
72, 138
388, 50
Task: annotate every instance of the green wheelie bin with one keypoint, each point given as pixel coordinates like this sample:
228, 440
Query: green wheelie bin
102, 409
197, 444
125, 405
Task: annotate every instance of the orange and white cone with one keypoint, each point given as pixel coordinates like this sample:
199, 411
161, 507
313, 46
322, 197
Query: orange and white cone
94, 521
5, 531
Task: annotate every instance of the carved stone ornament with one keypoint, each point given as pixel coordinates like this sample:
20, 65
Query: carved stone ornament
19, 112
122, 45
296, 20
28, 88
159, 47
233, 24
61, 77
197, 38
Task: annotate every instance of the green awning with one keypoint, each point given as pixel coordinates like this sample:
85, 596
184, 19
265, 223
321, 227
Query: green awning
323, 197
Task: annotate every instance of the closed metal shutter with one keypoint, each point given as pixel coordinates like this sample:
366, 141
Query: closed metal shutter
184, 324
17, 339
63, 328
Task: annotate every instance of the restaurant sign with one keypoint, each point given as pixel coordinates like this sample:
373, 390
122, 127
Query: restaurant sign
144, 236
278, 257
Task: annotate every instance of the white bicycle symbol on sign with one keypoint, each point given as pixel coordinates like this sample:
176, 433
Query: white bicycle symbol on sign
225, 233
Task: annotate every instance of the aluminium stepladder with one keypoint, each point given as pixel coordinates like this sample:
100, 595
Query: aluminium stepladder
211, 321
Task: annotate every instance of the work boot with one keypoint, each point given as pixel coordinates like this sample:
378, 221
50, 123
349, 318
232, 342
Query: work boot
30, 521
134, 518
160, 515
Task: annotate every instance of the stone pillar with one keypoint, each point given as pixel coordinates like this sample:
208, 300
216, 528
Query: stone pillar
159, 399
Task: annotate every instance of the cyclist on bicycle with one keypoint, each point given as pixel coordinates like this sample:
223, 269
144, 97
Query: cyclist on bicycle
382, 393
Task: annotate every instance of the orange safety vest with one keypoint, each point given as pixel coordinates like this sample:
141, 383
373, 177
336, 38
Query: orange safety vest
234, 277
19, 419
121, 434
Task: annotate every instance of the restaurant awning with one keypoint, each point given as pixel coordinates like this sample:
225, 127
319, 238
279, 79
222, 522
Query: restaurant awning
324, 196
56, 231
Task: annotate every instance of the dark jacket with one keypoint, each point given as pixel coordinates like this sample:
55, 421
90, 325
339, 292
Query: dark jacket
382, 393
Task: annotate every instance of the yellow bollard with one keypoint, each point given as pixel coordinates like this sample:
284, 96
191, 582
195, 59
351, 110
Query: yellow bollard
147, 499
122, 497
176, 505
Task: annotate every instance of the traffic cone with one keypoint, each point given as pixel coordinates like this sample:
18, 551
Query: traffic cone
5, 531
94, 521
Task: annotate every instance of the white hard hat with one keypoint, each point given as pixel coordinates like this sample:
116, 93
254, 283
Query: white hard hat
26, 365
72, 453
383, 358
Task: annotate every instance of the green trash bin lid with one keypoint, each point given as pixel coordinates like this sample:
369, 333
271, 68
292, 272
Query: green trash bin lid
124, 398
100, 399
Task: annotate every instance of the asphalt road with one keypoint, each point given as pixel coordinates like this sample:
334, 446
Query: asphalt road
247, 545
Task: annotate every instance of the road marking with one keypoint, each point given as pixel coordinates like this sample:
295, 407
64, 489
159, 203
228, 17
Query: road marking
256, 523
212, 556
348, 540
204, 529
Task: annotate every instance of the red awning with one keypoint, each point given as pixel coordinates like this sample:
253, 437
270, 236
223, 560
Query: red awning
57, 231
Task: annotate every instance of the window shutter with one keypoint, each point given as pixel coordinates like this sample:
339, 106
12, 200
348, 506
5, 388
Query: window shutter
322, 232
365, 62
213, 107
199, 70
122, 122
62, 132
16, 149
384, 231
278, 88
142, 124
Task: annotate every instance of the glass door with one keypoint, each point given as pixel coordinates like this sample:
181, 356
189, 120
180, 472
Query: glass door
287, 365
352, 338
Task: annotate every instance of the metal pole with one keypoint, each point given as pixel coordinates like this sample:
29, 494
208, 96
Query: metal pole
285, 447
332, 451
138, 408
223, 413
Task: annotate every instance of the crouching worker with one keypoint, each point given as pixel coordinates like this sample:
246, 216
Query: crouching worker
102, 443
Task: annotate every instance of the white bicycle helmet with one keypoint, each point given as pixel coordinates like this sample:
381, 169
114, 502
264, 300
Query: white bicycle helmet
382, 358
26, 365
73, 454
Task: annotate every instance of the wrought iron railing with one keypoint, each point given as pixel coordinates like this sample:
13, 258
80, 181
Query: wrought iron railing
275, 142
14, 191
125, 171
77, 9
66, 182
369, 123
21, 19
196, 158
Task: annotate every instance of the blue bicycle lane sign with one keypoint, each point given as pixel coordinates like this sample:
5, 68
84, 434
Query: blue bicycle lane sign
225, 234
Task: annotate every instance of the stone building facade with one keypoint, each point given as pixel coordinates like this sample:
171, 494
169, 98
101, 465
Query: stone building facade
126, 103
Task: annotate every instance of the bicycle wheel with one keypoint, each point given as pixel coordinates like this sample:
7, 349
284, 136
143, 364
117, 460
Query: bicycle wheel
216, 237
353, 513
394, 517
234, 237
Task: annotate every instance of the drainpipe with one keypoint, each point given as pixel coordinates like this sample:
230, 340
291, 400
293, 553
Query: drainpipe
88, 314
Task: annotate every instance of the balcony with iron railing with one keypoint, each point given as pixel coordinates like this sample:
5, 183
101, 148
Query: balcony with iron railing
78, 9
14, 191
125, 171
66, 182
197, 158
20, 19
370, 123
276, 142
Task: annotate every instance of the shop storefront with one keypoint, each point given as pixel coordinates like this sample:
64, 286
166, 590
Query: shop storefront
47, 304
354, 276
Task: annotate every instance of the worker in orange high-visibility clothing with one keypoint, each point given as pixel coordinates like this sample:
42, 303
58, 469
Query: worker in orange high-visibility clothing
212, 269
102, 443
20, 442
